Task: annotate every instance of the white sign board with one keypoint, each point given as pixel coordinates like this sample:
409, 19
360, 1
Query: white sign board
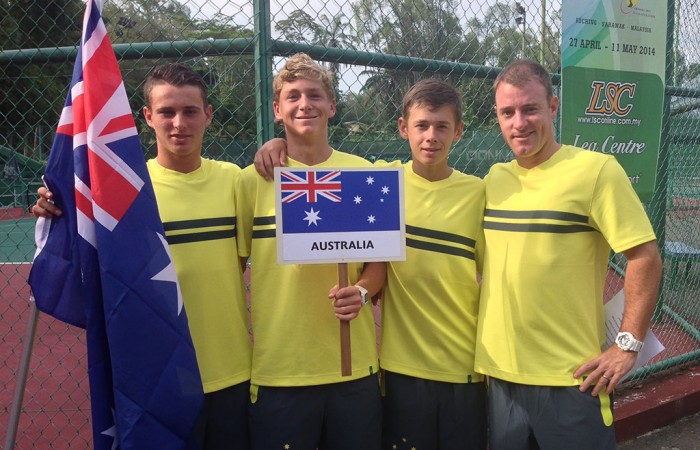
328, 215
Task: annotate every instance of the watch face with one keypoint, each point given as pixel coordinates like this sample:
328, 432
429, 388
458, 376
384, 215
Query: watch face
627, 342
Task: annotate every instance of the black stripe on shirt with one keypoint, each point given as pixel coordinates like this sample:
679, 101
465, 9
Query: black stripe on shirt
199, 223
200, 237
536, 214
267, 220
537, 227
439, 248
264, 233
444, 236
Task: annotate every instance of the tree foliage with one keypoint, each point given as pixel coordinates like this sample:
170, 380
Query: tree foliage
150, 20
418, 28
230, 78
430, 29
31, 102
421, 29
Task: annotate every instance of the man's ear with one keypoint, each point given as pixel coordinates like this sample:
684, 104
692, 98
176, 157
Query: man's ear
276, 111
148, 116
458, 131
209, 112
554, 106
403, 128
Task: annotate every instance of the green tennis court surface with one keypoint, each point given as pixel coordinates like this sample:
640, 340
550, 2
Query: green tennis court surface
17, 240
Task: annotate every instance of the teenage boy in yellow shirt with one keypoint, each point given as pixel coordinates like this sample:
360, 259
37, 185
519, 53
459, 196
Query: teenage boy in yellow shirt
299, 398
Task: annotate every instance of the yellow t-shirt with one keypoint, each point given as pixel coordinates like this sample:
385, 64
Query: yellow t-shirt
548, 234
199, 216
430, 303
296, 333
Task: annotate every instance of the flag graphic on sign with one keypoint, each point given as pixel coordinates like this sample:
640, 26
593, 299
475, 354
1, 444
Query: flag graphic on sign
340, 215
104, 265
305, 184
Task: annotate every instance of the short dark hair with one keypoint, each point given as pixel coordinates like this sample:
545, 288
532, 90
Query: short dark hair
433, 93
523, 70
176, 75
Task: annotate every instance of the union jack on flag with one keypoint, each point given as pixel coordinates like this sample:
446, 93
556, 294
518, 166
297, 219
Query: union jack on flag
104, 265
305, 184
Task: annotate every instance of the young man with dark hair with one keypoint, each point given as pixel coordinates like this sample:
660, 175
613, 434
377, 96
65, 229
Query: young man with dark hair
433, 398
196, 202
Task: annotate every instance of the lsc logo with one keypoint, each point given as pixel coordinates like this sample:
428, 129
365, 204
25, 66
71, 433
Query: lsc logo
611, 98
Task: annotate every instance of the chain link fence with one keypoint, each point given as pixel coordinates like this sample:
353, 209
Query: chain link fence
377, 49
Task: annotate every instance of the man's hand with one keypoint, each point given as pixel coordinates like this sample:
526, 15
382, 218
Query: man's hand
272, 154
347, 302
606, 371
44, 206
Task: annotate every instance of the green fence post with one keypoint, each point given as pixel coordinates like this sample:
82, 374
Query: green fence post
658, 202
263, 71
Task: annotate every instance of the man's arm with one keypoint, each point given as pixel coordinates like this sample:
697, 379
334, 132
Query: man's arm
641, 289
272, 154
347, 301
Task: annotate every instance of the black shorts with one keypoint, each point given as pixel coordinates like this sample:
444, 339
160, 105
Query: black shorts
338, 416
223, 423
524, 417
427, 414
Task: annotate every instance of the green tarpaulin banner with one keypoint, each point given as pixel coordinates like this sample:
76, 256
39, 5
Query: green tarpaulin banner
613, 77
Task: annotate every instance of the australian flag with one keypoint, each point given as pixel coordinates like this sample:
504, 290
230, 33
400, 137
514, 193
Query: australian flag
104, 265
352, 214
368, 202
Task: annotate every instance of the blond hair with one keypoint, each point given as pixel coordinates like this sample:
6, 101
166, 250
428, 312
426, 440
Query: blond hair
301, 67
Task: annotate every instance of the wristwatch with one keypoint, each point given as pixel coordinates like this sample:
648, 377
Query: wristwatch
627, 342
363, 294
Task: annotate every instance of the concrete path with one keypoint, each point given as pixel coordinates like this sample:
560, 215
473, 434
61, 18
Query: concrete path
684, 434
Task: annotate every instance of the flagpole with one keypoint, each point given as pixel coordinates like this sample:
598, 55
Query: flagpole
345, 353
13, 422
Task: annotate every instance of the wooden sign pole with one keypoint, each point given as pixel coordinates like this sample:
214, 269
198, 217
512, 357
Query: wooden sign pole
345, 352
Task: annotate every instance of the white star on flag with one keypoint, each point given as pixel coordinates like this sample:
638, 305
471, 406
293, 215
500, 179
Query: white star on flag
370, 180
312, 217
385, 189
112, 432
358, 199
371, 219
168, 274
